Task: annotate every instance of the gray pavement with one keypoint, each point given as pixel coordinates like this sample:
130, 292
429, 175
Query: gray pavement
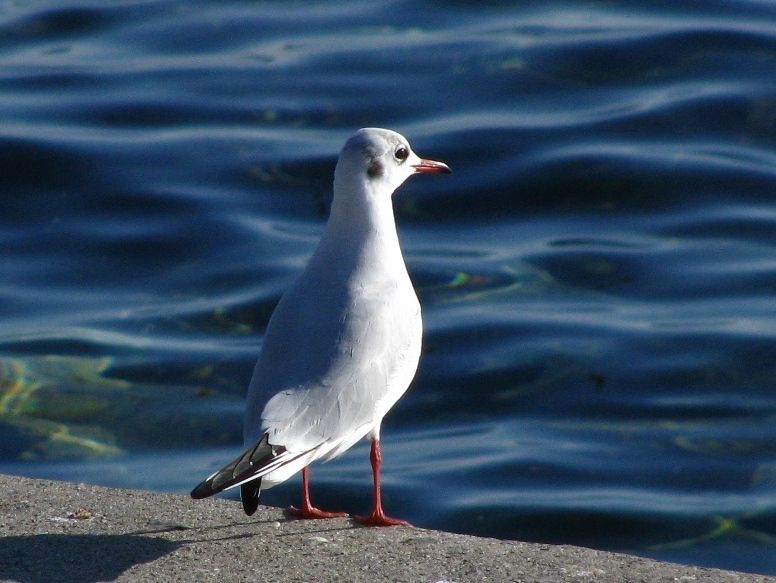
61, 532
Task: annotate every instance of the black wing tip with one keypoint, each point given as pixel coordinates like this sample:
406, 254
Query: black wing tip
239, 470
203, 490
249, 495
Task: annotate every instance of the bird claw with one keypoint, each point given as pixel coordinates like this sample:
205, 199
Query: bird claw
380, 519
314, 513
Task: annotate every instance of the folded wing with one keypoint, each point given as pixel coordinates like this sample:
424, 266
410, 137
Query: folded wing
253, 463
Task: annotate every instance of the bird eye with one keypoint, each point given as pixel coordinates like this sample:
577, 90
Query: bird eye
401, 153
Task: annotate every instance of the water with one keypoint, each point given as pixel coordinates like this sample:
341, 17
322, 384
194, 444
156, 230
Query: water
597, 276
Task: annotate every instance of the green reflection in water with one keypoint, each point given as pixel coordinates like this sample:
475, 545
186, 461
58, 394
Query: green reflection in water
47, 400
726, 527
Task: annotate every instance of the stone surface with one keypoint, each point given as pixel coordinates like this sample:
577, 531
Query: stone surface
63, 532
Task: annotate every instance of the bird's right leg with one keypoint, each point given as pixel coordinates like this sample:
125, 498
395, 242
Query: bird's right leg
378, 517
307, 509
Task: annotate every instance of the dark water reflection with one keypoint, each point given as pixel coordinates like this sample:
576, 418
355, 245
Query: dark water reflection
597, 276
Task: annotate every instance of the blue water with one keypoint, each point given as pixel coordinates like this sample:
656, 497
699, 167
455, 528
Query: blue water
598, 276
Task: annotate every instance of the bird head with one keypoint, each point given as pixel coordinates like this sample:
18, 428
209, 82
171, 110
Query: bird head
383, 160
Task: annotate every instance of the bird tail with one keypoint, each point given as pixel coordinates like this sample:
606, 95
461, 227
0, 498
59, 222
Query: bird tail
249, 495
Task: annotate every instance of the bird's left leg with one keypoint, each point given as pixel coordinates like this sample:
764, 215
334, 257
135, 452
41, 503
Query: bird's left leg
307, 509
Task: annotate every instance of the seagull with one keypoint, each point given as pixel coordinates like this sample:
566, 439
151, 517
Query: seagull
343, 343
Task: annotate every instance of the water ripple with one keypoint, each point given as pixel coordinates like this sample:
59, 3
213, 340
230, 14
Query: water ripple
596, 276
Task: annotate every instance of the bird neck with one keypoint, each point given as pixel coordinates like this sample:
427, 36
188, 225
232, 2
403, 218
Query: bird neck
363, 211
362, 227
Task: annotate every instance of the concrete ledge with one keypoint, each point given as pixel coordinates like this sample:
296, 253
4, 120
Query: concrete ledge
60, 532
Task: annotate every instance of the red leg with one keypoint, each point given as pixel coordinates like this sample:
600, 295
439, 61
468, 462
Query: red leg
378, 517
308, 510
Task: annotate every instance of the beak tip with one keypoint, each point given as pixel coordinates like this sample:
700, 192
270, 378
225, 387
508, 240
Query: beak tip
432, 167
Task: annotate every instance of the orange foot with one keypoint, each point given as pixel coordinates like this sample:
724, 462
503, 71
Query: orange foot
380, 519
313, 512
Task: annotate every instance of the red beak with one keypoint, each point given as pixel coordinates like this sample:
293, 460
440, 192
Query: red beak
432, 167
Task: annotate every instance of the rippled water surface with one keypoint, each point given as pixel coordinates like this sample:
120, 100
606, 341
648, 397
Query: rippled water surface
598, 275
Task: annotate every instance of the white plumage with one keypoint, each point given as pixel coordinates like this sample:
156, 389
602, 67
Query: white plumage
343, 343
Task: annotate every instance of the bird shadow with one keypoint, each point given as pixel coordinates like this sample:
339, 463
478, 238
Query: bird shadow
88, 558
72, 558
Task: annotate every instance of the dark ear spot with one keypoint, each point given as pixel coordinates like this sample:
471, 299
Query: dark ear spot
375, 169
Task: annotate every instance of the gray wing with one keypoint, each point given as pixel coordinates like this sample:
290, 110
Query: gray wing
335, 358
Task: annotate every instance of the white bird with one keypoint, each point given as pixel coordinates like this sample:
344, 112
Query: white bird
343, 343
